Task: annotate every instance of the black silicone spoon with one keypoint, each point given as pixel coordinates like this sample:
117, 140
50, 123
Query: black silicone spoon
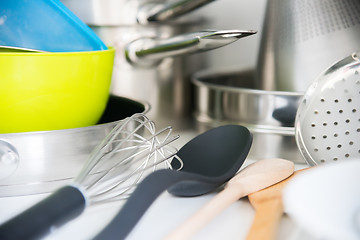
210, 160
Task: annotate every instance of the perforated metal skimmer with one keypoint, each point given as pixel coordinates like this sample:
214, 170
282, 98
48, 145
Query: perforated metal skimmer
328, 119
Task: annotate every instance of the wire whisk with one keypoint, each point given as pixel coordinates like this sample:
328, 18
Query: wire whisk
124, 157
131, 150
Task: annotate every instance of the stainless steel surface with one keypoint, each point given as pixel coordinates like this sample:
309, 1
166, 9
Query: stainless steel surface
49, 159
164, 83
149, 52
125, 12
301, 38
9, 159
166, 10
165, 86
230, 14
229, 97
327, 121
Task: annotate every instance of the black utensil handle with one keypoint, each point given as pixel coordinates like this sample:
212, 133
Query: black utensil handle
55, 210
140, 200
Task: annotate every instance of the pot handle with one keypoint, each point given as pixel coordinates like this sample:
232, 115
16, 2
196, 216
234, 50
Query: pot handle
147, 52
160, 12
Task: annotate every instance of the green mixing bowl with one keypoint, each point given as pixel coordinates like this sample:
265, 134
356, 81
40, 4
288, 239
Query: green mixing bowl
51, 91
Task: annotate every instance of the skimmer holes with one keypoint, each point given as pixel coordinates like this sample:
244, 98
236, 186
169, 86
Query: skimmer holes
333, 126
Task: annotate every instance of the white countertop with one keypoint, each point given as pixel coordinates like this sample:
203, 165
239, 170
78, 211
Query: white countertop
164, 215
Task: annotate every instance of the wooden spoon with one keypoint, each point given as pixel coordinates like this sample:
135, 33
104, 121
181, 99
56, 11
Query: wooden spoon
254, 177
269, 209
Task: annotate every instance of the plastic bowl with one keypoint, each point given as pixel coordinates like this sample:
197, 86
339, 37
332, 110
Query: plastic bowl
51, 91
46, 25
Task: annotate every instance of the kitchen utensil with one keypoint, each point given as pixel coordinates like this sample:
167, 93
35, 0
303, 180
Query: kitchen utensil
229, 96
302, 38
51, 91
325, 200
148, 52
254, 177
327, 121
105, 177
269, 209
45, 25
209, 160
51, 159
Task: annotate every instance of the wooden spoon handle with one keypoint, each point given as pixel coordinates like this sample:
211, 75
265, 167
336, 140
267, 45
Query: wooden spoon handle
205, 214
266, 220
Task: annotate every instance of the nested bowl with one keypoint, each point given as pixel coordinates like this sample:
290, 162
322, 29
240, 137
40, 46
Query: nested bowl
53, 90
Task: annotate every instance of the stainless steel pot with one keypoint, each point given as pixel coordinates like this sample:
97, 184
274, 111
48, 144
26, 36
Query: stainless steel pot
230, 97
301, 38
153, 60
49, 159
150, 74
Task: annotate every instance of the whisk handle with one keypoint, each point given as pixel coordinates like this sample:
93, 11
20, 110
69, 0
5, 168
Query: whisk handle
55, 210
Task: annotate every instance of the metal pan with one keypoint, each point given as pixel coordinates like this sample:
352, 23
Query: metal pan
48, 159
230, 97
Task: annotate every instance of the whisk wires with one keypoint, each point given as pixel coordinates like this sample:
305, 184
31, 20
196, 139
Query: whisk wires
131, 150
